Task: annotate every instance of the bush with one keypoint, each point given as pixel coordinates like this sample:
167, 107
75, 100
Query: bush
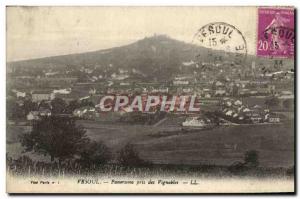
237, 167
290, 171
251, 158
94, 154
129, 157
58, 137
250, 161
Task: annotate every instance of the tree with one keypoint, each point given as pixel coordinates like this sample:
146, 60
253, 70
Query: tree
86, 102
58, 106
44, 105
272, 102
14, 110
57, 137
94, 154
29, 106
237, 167
288, 104
251, 158
130, 157
74, 104
250, 162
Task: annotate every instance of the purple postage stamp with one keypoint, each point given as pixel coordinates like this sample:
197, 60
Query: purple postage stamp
275, 32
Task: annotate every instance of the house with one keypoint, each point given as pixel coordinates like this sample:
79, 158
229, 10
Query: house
19, 93
257, 107
286, 95
229, 113
228, 103
44, 112
218, 83
253, 92
62, 91
187, 90
254, 116
38, 96
48, 74
35, 115
110, 83
115, 76
220, 92
92, 91
272, 118
207, 95
286, 92
86, 70
241, 118
188, 63
238, 103
263, 91
246, 110
84, 98
124, 84
84, 111
122, 71
180, 82
241, 108
244, 91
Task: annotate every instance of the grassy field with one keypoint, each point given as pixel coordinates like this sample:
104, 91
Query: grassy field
220, 146
223, 146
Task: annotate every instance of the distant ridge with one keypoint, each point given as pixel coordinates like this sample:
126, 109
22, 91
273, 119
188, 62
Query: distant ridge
153, 56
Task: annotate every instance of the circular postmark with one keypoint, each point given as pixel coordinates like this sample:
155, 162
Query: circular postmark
222, 40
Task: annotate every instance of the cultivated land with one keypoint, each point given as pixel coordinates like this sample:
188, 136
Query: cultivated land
165, 143
220, 146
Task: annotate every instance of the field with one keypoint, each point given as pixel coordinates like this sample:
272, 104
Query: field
220, 146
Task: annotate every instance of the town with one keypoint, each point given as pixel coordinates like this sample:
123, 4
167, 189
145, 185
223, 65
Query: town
255, 91
119, 96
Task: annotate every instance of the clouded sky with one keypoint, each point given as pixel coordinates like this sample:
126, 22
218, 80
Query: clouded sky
34, 32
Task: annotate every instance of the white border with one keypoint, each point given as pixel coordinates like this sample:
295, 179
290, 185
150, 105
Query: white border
5, 3
152, 2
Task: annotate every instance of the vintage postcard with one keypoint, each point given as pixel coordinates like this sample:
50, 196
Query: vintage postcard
150, 99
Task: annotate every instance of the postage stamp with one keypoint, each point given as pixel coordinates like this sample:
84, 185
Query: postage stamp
275, 32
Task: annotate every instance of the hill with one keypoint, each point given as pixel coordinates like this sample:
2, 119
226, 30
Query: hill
157, 56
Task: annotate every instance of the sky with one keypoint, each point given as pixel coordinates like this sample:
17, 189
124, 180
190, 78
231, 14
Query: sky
34, 32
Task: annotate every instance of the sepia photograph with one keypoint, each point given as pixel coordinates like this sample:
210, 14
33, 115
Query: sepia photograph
161, 99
